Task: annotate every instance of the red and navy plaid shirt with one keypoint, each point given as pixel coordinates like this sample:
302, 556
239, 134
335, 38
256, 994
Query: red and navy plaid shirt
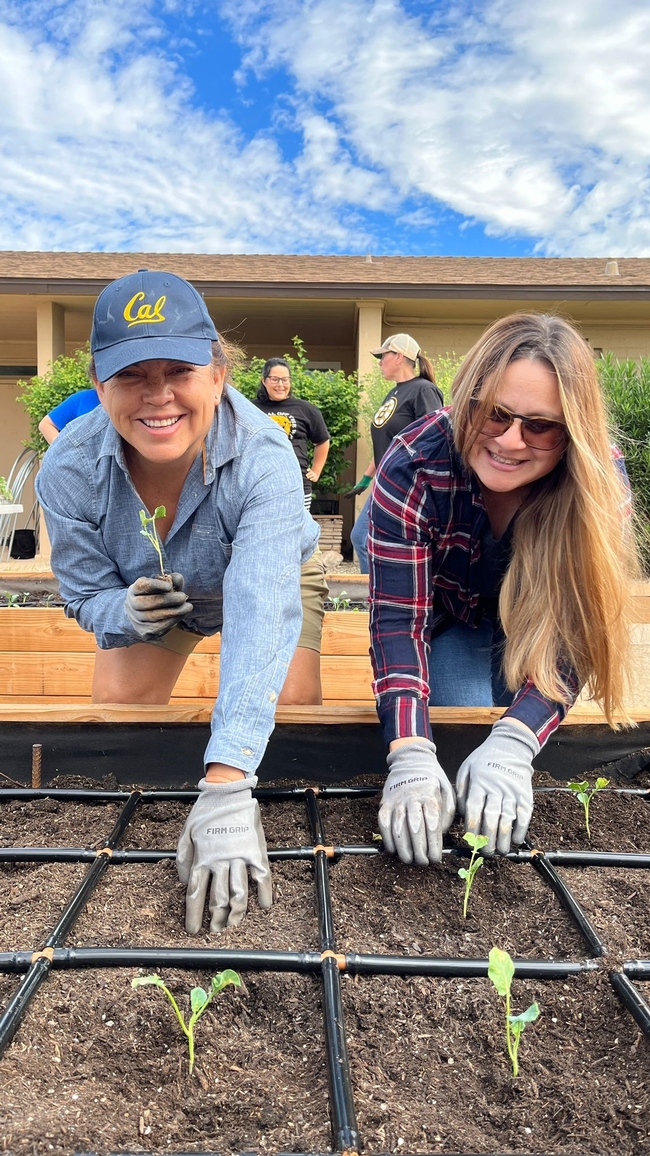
427, 519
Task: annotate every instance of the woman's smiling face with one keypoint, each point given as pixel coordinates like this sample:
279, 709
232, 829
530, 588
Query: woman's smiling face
162, 408
506, 463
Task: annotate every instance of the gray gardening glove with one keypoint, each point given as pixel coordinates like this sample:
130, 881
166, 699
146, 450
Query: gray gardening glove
417, 804
494, 786
154, 605
222, 838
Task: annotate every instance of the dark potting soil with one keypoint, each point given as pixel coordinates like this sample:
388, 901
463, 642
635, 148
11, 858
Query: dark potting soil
99, 1067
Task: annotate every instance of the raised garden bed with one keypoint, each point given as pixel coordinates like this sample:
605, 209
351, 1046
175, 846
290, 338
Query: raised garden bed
95, 1066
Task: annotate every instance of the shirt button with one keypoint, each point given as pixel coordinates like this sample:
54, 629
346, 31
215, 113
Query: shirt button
246, 751
272, 696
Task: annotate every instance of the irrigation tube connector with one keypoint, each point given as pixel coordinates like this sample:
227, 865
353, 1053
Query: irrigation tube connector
34, 966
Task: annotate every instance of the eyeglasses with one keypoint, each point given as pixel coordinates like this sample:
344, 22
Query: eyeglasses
383, 355
279, 380
540, 433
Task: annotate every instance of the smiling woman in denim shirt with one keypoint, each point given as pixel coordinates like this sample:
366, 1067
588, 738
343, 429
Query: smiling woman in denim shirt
171, 433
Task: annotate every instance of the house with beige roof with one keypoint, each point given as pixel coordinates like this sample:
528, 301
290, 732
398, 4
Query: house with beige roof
341, 307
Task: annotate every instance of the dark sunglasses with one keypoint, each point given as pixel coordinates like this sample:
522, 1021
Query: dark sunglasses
540, 433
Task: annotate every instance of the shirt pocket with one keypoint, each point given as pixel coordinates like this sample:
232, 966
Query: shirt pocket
211, 553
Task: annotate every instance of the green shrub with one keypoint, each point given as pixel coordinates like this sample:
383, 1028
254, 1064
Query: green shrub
374, 387
65, 376
332, 391
627, 391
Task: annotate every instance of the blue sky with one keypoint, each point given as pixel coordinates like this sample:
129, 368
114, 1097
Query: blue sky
465, 127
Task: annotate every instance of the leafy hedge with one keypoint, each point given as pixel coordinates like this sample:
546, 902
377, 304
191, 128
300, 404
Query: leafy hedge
65, 376
627, 390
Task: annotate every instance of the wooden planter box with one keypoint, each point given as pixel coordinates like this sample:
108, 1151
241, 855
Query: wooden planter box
46, 657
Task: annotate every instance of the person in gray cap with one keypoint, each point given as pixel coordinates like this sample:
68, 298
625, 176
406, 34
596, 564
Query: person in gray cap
170, 433
410, 397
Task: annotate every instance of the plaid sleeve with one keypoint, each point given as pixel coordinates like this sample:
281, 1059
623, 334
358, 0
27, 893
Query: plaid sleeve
400, 542
541, 715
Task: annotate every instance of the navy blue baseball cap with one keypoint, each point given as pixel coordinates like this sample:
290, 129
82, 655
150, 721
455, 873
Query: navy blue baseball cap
148, 315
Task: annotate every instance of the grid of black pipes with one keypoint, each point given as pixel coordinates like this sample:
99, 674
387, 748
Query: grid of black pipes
36, 964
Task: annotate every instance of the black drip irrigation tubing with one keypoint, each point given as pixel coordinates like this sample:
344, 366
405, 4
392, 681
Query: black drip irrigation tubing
570, 904
344, 1120
35, 966
41, 960
631, 998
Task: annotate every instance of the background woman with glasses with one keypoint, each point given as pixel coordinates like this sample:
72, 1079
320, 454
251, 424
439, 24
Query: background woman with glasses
413, 394
302, 422
501, 562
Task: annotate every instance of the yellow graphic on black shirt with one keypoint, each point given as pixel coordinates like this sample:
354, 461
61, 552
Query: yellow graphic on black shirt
385, 412
286, 422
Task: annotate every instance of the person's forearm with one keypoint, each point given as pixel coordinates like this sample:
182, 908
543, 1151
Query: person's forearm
320, 457
220, 773
48, 430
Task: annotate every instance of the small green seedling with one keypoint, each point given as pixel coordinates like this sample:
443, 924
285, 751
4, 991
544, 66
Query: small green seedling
340, 601
476, 842
200, 999
584, 796
13, 600
501, 971
150, 532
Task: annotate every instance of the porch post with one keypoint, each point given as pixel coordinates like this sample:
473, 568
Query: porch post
50, 344
369, 336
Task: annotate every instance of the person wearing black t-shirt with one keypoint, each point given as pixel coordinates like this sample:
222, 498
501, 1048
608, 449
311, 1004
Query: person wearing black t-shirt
410, 398
301, 421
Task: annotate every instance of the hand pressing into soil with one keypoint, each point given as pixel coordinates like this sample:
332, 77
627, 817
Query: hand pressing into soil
222, 840
154, 605
417, 803
494, 786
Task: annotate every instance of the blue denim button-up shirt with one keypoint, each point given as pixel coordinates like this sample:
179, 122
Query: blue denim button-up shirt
239, 536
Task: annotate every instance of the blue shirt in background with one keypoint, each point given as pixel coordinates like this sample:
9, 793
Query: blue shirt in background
74, 406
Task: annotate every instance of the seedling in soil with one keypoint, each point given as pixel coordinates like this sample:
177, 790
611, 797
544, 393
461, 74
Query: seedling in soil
501, 970
13, 600
150, 532
200, 999
584, 796
476, 842
340, 601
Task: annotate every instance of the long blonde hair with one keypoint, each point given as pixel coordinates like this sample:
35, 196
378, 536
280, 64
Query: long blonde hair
565, 599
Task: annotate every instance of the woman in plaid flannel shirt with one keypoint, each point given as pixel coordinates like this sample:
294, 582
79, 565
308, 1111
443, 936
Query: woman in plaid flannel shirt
501, 560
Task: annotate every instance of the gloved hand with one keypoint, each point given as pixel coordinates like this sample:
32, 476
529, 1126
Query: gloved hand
359, 487
494, 786
222, 837
417, 804
154, 605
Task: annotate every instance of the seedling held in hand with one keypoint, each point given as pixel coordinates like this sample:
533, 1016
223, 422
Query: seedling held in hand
150, 532
501, 970
200, 999
584, 796
476, 842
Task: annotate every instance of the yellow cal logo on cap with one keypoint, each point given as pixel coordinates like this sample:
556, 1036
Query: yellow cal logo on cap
146, 313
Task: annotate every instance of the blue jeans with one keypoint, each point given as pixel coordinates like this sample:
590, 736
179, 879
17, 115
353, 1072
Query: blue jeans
359, 537
465, 667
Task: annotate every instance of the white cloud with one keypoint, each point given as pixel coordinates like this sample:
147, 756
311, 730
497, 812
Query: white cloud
529, 118
101, 147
